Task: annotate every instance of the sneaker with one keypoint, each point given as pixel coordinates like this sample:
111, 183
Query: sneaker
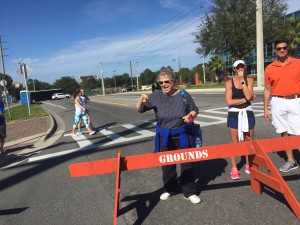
247, 170
193, 198
79, 132
165, 196
234, 174
289, 166
92, 132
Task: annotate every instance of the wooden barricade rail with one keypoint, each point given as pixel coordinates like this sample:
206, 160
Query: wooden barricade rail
256, 150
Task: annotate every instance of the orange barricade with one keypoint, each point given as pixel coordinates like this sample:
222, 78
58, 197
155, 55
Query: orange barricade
256, 149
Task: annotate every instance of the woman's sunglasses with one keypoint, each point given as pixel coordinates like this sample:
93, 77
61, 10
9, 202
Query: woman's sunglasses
165, 82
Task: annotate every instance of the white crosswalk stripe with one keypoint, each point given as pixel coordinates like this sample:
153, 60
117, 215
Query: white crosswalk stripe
205, 118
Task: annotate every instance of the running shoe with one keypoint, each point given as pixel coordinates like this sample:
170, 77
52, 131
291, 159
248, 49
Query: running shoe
79, 132
247, 170
235, 174
288, 166
92, 132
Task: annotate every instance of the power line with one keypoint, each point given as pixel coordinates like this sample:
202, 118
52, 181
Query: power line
175, 25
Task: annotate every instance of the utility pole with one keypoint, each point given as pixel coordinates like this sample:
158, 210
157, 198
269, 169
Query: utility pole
33, 85
203, 67
179, 64
259, 44
102, 81
115, 80
137, 74
174, 60
131, 74
3, 72
2, 57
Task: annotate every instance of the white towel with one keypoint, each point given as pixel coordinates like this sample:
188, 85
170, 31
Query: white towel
243, 125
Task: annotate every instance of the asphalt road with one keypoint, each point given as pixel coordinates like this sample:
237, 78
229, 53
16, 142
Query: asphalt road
39, 190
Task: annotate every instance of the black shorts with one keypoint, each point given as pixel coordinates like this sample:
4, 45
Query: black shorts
232, 119
3, 131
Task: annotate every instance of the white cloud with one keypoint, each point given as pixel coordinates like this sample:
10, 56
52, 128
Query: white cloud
151, 51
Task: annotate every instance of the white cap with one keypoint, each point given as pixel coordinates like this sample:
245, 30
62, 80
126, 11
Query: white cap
236, 63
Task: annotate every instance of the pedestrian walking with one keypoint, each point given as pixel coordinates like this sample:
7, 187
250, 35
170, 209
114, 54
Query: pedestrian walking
282, 85
80, 113
84, 100
173, 131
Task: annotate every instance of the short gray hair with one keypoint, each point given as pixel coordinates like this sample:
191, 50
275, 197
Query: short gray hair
166, 72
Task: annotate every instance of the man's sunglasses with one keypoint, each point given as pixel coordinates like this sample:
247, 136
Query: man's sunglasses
282, 48
164, 82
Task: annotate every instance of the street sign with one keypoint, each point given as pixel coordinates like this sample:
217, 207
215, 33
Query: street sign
3, 83
21, 73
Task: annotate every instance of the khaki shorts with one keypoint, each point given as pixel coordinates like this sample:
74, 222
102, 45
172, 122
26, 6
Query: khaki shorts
286, 115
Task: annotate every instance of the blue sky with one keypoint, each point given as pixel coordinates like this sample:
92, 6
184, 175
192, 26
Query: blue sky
72, 37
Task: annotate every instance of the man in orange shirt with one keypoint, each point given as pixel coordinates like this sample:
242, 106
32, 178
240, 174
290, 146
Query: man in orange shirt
282, 82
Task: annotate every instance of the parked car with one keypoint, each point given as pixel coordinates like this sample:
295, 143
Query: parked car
146, 87
60, 96
130, 88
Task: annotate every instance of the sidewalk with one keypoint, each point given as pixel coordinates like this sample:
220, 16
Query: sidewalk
25, 136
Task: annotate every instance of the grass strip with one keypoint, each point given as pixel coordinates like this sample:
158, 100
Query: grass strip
20, 112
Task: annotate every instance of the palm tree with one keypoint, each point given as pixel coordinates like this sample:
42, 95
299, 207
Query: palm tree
215, 66
293, 33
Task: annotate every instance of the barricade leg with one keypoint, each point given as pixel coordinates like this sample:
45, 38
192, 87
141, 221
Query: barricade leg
255, 184
273, 179
118, 187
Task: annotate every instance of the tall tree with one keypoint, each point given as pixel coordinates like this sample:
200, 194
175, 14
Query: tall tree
198, 69
231, 26
8, 79
89, 84
186, 75
67, 83
292, 33
34, 84
147, 77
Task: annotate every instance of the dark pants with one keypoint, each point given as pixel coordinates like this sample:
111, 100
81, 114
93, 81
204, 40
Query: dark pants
187, 178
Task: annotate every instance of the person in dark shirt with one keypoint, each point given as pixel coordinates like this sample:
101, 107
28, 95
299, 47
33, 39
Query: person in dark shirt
173, 114
2, 126
240, 120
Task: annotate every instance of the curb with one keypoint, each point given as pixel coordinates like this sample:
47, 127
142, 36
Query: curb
52, 128
40, 137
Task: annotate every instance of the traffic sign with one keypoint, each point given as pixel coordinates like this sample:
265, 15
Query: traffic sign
21, 72
3, 83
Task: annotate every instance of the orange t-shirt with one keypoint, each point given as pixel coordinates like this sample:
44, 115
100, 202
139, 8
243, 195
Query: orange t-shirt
284, 80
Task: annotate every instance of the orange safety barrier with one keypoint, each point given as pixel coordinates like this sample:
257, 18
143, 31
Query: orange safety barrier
256, 150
